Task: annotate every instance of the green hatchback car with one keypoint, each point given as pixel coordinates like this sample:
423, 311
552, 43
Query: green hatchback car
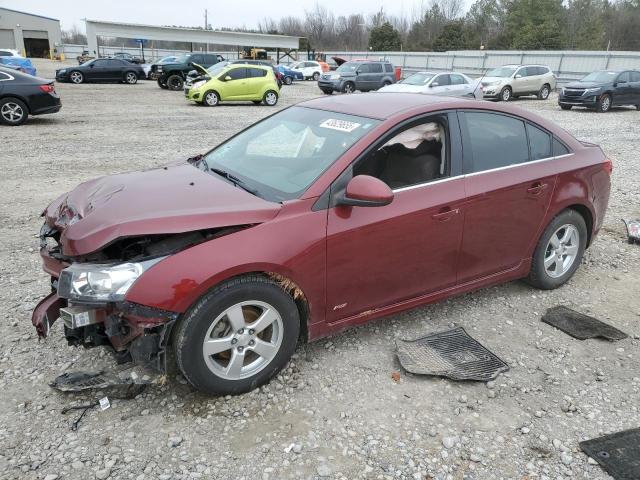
236, 82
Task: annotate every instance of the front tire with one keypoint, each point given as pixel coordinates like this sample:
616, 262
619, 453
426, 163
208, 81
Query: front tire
326, 91
604, 103
316, 76
13, 111
211, 99
175, 82
76, 77
238, 336
348, 87
162, 85
566, 107
544, 92
270, 98
506, 94
559, 251
131, 78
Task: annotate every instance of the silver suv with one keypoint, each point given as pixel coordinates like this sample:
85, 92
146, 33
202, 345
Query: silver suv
512, 81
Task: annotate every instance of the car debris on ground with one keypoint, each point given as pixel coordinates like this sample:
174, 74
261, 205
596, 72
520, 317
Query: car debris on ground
580, 326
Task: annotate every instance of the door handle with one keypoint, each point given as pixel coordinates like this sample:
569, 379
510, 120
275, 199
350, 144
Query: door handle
537, 188
445, 215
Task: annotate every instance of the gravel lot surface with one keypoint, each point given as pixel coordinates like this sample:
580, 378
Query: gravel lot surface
335, 412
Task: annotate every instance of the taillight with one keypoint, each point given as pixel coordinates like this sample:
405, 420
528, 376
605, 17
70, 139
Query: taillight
608, 166
47, 88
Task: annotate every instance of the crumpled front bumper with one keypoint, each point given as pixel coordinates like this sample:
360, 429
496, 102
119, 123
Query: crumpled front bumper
46, 313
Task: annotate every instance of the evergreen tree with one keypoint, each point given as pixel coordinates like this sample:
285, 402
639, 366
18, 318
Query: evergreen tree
536, 24
384, 38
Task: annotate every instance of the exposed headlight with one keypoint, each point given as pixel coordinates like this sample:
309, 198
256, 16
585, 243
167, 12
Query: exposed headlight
335, 76
496, 82
159, 68
589, 91
92, 282
198, 84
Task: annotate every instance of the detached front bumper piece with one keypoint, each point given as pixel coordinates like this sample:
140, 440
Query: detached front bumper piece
46, 313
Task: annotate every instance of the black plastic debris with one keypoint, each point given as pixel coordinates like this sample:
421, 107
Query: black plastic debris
633, 230
579, 325
117, 386
618, 454
452, 354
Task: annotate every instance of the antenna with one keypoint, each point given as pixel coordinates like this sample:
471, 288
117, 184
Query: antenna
480, 83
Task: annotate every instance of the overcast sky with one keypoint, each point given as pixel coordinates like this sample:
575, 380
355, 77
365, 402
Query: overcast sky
191, 12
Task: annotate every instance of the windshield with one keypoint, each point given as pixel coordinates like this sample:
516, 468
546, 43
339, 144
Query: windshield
600, 77
280, 157
182, 59
348, 67
216, 67
167, 60
501, 72
418, 79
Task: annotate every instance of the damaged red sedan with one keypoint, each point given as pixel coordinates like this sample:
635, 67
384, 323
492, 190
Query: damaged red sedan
323, 216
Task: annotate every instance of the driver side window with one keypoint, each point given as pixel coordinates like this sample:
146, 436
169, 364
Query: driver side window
416, 155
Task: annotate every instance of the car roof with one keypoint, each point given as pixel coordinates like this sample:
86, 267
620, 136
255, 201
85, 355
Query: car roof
383, 106
251, 65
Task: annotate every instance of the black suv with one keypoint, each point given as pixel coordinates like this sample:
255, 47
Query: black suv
172, 75
363, 75
601, 90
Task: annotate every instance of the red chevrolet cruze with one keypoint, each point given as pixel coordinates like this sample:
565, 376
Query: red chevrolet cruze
323, 216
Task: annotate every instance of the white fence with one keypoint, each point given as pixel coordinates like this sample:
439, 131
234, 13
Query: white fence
567, 64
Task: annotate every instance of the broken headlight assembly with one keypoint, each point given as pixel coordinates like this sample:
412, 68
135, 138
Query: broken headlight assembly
93, 282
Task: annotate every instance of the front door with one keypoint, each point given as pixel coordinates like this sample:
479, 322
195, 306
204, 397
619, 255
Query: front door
378, 256
521, 81
509, 186
235, 86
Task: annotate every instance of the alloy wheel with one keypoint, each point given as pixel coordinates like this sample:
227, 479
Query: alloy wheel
211, 99
271, 98
243, 340
12, 112
76, 77
561, 251
131, 78
605, 103
348, 88
544, 93
506, 95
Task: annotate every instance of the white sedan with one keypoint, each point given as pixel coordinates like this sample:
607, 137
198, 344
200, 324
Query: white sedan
452, 84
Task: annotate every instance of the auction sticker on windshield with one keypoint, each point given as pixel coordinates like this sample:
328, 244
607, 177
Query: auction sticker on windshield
340, 125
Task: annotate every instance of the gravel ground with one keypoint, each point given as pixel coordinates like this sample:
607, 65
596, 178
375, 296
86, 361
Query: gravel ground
335, 412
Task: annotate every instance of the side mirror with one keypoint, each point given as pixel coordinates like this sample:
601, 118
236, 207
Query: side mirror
366, 191
434, 84
227, 78
518, 76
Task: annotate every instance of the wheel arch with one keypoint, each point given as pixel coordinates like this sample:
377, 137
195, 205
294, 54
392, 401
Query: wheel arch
587, 215
17, 97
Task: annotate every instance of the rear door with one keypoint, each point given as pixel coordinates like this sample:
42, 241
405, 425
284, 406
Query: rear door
114, 68
623, 93
509, 182
377, 73
255, 80
635, 87
459, 86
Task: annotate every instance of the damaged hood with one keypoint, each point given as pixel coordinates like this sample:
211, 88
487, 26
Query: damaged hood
173, 199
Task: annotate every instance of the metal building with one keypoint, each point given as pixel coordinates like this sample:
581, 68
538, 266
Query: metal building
32, 35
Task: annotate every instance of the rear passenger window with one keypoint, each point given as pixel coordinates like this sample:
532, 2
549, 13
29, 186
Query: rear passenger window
457, 79
559, 148
539, 143
388, 67
257, 72
496, 140
635, 76
443, 80
376, 68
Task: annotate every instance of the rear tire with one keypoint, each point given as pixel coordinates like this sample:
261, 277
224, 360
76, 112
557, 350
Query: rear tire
544, 92
604, 103
13, 111
175, 82
227, 313
288, 80
566, 107
554, 250
270, 98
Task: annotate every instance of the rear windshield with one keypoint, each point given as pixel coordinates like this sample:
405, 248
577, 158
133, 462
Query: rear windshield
600, 77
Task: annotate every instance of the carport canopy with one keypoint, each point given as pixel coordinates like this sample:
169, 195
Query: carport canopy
179, 34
